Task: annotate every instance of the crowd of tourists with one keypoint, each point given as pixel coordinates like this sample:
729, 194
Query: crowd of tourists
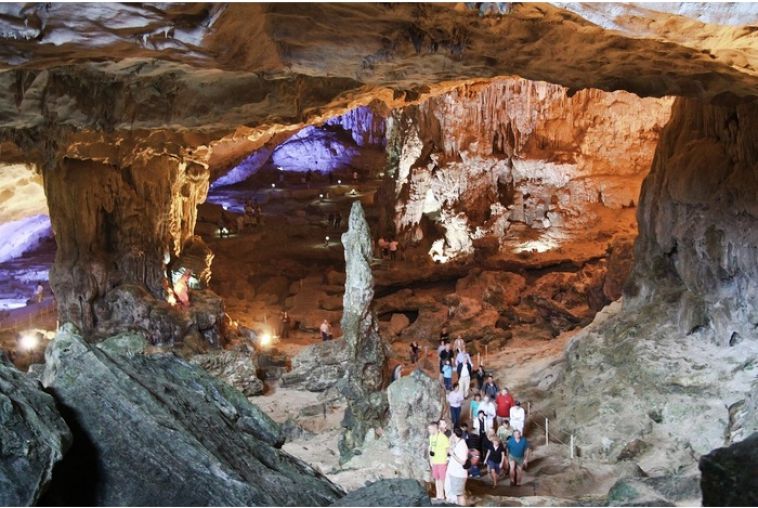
487, 443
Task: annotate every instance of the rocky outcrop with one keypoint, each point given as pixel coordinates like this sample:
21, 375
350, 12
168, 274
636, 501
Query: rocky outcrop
236, 368
318, 367
671, 490
367, 358
698, 221
729, 474
388, 493
414, 401
33, 438
157, 430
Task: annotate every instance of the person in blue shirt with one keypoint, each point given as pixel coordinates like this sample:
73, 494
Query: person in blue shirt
447, 375
518, 456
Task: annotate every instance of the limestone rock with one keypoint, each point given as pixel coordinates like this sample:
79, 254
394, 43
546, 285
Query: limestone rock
145, 421
367, 358
656, 491
729, 474
398, 323
698, 218
318, 367
33, 438
414, 401
388, 493
236, 368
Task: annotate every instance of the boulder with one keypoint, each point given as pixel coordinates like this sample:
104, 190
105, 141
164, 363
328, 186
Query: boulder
33, 438
414, 401
156, 430
730, 475
233, 367
317, 367
391, 492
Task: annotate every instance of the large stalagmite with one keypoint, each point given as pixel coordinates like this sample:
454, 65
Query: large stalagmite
367, 403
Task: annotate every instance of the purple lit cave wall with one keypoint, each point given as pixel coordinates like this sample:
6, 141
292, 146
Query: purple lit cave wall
336, 145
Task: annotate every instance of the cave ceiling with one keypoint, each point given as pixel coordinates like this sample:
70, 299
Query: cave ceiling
213, 82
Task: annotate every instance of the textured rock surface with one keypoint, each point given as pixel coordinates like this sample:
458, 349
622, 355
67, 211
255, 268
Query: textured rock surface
318, 367
658, 491
236, 368
388, 493
148, 420
729, 474
33, 438
521, 162
367, 358
414, 401
698, 221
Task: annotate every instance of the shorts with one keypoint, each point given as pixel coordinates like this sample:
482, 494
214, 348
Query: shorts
518, 460
457, 486
438, 471
493, 466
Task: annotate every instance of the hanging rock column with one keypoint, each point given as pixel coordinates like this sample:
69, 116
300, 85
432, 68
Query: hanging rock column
367, 402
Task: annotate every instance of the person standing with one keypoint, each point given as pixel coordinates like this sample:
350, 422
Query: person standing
285, 325
517, 417
414, 352
456, 468
326, 330
447, 375
503, 403
490, 388
459, 345
462, 358
455, 400
39, 293
474, 406
488, 406
464, 378
518, 456
444, 334
480, 377
438, 445
393, 250
495, 459
481, 431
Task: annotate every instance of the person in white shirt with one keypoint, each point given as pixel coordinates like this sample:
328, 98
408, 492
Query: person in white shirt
517, 417
455, 470
490, 411
455, 399
464, 379
326, 330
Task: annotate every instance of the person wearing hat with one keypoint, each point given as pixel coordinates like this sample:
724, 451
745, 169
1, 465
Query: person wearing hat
517, 417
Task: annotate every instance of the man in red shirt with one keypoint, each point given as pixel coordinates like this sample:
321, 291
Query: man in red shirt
503, 403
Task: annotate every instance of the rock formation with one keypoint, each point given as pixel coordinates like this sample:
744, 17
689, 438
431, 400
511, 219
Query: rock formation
237, 368
698, 221
33, 438
521, 162
388, 493
728, 474
318, 367
367, 403
157, 430
681, 349
414, 401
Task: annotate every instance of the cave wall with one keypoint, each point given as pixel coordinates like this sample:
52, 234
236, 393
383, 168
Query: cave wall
487, 155
698, 221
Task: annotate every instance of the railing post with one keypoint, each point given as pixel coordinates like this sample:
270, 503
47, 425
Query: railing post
571, 446
547, 436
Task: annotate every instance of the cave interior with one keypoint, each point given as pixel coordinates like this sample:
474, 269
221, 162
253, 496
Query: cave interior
190, 193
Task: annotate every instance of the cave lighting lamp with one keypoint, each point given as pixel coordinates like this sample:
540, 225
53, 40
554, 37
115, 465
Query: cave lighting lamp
273, 186
29, 341
339, 182
266, 339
